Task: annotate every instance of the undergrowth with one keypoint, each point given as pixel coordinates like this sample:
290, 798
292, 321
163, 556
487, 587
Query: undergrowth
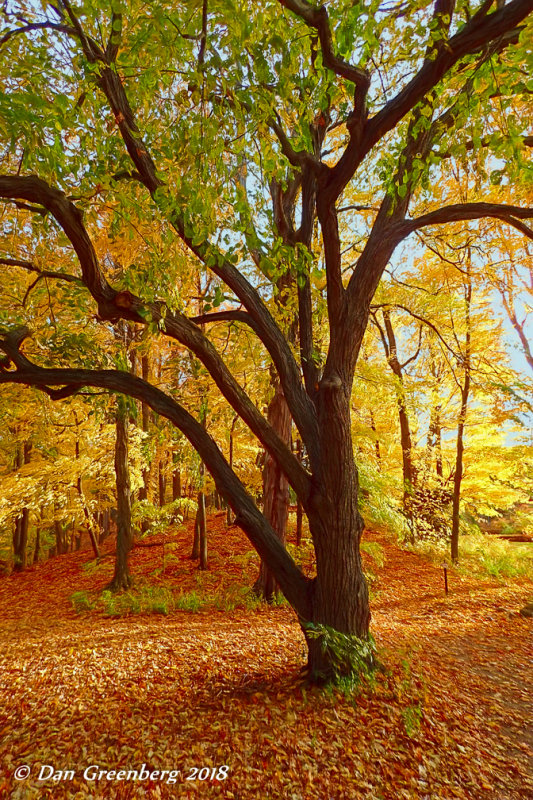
484, 554
148, 599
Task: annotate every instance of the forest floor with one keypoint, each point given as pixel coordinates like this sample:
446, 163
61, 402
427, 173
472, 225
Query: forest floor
448, 717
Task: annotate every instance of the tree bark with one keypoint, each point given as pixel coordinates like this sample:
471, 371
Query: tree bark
275, 490
465, 392
339, 594
20, 537
176, 484
202, 530
90, 528
122, 578
162, 483
408, 468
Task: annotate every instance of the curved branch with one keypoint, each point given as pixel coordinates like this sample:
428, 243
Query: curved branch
42, 273
298, 158
302, 409
421, 319
470, 39
469, 211
317, 17
37, 26
291, 580
113, 305
225, 316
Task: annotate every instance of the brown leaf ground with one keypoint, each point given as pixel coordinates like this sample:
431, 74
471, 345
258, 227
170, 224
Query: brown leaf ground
449, 718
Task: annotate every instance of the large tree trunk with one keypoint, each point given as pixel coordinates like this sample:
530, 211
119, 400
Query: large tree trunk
339, 594
122, 578
275, 490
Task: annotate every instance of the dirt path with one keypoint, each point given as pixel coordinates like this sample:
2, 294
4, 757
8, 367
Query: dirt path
450, 718
477, 647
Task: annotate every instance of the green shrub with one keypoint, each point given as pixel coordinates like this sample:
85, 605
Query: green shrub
237, 597
188, 601
81, 602
156, 599
484, 554
496, 557
117, 605
379, 500
92, 567
375, 551
353, 660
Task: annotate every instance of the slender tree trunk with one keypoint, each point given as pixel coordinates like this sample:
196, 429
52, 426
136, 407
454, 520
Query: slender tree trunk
465, 392
376, 440
162, 483
230, 461
409, 472
299, 523
21, 542
122, 577
275, 490
195, 553
176, 485
37, 547
299, 506
435, 440
90, 527
61, 538
20, 538
104, 530
146, 417
202, 530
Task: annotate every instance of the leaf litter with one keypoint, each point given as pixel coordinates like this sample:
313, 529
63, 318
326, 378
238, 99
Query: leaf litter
449, 716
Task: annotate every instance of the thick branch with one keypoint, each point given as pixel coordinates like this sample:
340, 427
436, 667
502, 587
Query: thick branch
470, 39
317, 17
224, 316
115, 305
469, 211
298, 158
37, 26
293, 583
301, 407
